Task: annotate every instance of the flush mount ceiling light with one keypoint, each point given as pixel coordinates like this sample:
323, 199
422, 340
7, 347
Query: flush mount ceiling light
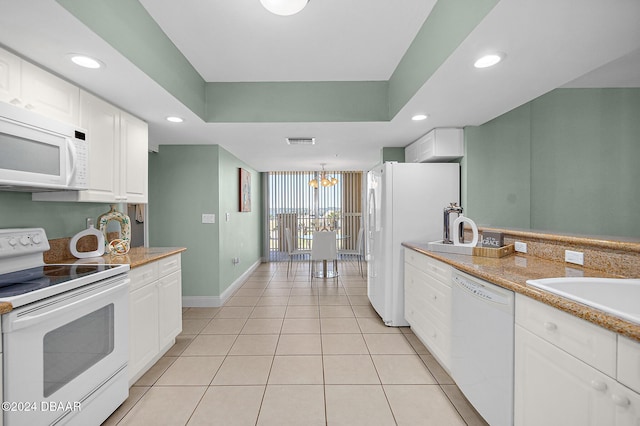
284, 7
419, 117
85, 61
489, 60
175, 119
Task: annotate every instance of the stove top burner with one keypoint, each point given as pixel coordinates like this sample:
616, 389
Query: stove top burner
39, 277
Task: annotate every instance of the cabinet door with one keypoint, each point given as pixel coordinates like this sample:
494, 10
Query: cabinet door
554, 388
49, 95
9, 77
428, 311
134, 148
170, 307
102, 121
143, 328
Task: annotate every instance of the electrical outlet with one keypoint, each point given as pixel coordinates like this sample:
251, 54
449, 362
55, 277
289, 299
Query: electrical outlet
576, 257
521, 247
208, 218
235, 260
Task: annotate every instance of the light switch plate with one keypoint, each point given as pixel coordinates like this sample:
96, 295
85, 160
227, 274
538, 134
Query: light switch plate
208, 218
227, 216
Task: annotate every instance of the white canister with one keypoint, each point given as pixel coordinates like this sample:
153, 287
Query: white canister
456, 231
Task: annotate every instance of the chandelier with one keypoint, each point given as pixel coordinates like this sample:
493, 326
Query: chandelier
323, 179
284, 7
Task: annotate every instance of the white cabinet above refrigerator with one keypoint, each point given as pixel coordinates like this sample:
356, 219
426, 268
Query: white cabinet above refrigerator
442, 144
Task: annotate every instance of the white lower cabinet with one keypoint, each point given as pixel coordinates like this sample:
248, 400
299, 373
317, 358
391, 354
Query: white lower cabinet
155, 312
170, 304
143, 331
555, 387
427, 284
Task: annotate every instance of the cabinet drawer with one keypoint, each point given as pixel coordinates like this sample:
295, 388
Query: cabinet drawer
169, 264
143, 275
586, 341
428, 294
435, 335
435, 268
629, 363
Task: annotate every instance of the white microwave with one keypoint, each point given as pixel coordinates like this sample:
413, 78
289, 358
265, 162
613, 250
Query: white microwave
40, 154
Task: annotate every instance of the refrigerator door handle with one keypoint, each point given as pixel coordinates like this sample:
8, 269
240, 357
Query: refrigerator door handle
372, 221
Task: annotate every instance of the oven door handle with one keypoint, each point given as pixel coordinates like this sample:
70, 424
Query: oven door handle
47, 311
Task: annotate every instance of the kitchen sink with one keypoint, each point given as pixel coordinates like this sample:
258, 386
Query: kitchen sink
617, 296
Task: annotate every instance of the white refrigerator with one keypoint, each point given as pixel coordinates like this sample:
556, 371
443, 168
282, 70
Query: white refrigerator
405, 202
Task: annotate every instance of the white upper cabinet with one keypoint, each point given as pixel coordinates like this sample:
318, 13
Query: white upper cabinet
9, 76
134, 152
440, 144
25, 85
118, 153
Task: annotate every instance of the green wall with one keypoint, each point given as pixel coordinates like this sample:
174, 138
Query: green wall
59, 220
240, 237
186, 181
126, 25
565, 162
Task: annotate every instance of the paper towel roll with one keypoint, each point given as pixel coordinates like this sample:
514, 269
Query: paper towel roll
456, 231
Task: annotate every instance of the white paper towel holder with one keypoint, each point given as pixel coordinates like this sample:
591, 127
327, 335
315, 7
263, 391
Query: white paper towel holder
456, 231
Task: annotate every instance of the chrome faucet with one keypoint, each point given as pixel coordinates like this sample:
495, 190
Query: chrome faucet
452, 208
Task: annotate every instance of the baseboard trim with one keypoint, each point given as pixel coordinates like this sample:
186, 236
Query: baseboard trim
217, 301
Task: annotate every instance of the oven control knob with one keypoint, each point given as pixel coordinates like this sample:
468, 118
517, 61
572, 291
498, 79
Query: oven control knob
37, 239
13, 242
24, 240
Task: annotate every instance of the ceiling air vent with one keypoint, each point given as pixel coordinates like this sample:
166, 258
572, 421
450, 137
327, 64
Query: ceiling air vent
301, 141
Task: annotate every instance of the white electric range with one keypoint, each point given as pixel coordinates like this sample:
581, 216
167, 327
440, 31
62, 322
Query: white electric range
65, 342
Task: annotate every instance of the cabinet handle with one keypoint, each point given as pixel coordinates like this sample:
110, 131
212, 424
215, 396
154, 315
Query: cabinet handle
29, 106
15, 101
620, 400
598, 385
550, 326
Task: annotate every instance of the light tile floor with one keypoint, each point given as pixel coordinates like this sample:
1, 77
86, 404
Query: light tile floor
285, 351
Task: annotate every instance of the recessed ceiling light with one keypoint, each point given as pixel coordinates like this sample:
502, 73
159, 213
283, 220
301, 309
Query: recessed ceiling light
174, 119
419, 117
489, 60
86, 61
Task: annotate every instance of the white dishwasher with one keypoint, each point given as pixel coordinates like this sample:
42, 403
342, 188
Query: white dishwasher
482, 346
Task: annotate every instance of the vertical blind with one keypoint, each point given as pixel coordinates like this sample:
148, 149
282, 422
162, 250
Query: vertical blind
292, 203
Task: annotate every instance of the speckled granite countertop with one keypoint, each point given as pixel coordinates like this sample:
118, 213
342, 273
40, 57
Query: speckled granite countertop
513, 271
5, 307
137, 256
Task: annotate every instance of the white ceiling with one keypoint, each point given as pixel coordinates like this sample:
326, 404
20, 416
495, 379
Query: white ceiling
549, 44
330, 40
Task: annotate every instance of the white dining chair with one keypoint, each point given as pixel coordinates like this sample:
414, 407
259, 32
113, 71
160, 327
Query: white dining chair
324, 249
357, 252
292, 250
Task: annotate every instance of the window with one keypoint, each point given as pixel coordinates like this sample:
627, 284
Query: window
293, 203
